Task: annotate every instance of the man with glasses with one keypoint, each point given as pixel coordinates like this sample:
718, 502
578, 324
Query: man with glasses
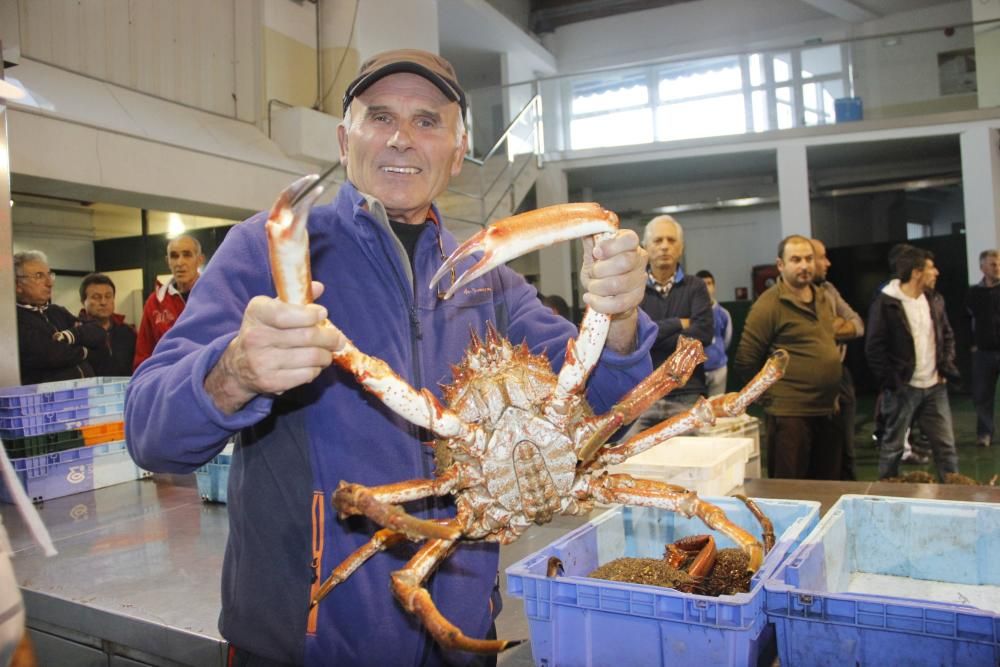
52, 344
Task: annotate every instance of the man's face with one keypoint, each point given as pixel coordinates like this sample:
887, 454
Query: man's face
665, 246
99, 301
797, 266
184, 261
927, 276
820, 260
710, 285
402, 147
991, 269
32, 284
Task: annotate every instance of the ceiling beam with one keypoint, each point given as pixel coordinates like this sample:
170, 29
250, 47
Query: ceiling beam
844, 9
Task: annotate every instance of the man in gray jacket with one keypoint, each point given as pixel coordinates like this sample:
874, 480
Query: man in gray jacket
847, 325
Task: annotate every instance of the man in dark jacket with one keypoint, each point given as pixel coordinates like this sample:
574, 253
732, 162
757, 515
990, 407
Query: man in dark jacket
114, 358
982, 303
910, 348
677, 305
52, 344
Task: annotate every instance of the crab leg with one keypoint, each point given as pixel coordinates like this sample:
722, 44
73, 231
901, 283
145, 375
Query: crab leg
407, 585
628, 490
701, 551
380, 503
767, 528
512, 237
672, 373
697, 417
736, 403
288, 242
381, 540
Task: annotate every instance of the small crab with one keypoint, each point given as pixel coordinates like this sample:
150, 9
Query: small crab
516, 444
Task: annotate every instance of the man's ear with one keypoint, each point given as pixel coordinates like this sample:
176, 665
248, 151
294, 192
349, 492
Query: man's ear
342, 142
460, 150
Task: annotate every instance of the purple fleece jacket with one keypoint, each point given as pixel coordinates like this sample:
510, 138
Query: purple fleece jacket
293, 450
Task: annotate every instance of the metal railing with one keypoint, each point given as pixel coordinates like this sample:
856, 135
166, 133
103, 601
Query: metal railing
520, 144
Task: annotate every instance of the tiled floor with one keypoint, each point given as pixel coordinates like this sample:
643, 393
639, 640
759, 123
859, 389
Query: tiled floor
977, 462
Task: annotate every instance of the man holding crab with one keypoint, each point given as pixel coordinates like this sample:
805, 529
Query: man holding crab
240, 361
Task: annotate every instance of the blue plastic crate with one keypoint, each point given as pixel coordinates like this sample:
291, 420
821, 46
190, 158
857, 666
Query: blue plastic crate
892, 581
107, 394
53, 475
34, 395
213, 479
28, 425
575, 620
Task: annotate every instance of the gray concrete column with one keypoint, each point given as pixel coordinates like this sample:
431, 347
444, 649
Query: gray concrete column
981, 193
10, 372
793, 190
555, 263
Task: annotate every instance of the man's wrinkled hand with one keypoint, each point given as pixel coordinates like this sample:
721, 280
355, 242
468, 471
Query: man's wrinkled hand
613, 274
279, 346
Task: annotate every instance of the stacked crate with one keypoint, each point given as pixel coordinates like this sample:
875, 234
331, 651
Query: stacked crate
66, 437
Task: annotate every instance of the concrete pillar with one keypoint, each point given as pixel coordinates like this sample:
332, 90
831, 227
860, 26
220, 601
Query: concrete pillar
793, 190
987, 41
981, 193
555, 263
10, 373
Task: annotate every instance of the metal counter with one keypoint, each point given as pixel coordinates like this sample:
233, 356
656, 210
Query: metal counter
136, 580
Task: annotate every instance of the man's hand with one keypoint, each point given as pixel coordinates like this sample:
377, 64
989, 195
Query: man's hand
843, 329
613, 276
279, 346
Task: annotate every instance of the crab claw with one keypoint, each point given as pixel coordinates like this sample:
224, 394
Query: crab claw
288, 239
512, 237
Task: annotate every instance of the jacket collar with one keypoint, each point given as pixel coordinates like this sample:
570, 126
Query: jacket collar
785, 294
678, 277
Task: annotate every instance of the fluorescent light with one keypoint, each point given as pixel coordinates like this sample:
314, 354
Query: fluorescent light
9, 91
175, 225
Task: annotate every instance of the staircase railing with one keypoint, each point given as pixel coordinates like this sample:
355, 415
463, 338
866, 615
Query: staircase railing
523, 136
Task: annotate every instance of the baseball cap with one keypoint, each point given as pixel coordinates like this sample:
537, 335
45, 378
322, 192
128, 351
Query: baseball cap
432, 67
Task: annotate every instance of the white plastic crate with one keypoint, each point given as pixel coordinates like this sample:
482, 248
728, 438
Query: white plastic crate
114, 465
743, 426
710, 466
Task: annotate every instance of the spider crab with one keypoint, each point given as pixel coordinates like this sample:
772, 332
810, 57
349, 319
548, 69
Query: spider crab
515, 444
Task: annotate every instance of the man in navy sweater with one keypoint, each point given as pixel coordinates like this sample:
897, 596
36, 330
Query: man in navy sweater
678, 305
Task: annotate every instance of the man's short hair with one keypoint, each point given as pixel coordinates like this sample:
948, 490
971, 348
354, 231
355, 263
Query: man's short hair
788, 239
894, 253
25, 256
988, 254
705, 273
95, 279
662, 218
911, 259
197, 243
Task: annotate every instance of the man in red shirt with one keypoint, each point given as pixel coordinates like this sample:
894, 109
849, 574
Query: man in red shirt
165, 304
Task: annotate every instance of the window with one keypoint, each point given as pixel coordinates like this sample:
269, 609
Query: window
709, 97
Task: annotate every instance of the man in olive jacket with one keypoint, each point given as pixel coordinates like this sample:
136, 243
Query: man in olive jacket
910, 349
794, 315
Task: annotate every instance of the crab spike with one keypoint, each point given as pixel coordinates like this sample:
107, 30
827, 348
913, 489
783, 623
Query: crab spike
289, 240
512, 237
492, 337
476, 344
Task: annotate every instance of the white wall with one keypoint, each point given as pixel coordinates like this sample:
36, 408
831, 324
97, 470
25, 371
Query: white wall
730, 243
389, 24
685, 28
196, 52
